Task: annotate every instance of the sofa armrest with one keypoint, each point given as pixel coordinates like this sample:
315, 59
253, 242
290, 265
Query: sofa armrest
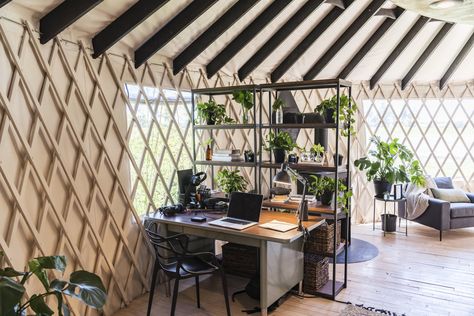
437, 215
470, 196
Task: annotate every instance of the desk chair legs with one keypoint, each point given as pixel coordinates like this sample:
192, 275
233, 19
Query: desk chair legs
226, 294
198, 301
156, 268
175, 296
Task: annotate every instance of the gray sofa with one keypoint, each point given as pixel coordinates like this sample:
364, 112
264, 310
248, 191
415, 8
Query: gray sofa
443, 215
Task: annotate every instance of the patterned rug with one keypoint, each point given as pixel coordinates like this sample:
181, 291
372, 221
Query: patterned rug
361, 310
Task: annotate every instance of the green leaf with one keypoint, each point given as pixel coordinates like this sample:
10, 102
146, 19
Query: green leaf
38, 265
58, 285
38, 305
11, 293
88, 288
10, 272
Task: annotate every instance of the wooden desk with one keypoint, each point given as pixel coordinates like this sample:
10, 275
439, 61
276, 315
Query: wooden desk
281, 254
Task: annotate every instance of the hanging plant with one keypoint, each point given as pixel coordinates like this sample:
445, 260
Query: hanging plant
347, 113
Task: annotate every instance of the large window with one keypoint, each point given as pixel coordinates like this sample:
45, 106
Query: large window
439, 131
160, 141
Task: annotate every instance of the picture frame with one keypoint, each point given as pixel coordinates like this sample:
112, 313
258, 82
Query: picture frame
398, 191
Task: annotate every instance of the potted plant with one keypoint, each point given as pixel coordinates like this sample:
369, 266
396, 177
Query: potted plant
231, 181
388, 163
82, 285
277, 108
212, 113
245, 99
347, 111
280, 143
318, 152
324, 188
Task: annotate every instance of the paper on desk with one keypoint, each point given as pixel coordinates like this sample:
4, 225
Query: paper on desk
279, 226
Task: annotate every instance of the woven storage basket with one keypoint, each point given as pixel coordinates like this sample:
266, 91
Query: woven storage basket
316, 272
321, 239
240, 260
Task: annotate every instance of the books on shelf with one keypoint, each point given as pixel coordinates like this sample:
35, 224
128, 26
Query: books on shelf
297, 198
226, 155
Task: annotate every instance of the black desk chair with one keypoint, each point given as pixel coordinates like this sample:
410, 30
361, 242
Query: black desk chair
178, 263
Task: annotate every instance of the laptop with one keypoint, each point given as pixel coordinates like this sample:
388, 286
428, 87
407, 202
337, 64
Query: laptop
244, 211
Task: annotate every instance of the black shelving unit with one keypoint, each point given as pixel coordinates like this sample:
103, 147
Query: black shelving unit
333, 287
225, 91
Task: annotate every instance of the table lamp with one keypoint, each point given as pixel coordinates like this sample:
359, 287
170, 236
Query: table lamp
283, 177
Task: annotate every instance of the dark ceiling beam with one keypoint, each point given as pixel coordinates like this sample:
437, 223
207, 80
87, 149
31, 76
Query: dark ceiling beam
245, 36
457, 61
358, 23
211, 34
388, 13
63, 16
303, 46
124, 24
171, 29
4, 2
278, 37
383, 28
427, 53
398, 50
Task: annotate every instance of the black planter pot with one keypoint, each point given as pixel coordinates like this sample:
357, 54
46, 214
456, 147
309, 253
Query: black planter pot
389, 222
249, 156
338, 160
382, 187
329, 116
326, 197
309, 118
211, 121
279, 155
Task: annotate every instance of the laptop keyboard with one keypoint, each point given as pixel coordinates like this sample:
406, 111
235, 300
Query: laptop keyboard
236, 221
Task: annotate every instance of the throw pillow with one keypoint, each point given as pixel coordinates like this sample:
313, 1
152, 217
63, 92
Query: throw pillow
430, 184
451, 195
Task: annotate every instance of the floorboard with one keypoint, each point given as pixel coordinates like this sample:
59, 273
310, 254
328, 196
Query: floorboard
414, 275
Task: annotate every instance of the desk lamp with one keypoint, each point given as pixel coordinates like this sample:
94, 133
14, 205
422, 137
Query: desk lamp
283, 177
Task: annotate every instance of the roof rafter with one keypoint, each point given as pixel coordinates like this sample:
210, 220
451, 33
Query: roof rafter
124, 24
301, 48
427, 53
369, 11
245, 36
278, 37
4, 2
456, 62
211, 34
383, 28
398, 50
63, 16
170, 30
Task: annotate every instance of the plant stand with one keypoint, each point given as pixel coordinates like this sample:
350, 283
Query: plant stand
396, 202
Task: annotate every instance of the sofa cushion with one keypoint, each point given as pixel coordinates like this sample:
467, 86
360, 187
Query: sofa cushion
444, 182
462, 210
451, 195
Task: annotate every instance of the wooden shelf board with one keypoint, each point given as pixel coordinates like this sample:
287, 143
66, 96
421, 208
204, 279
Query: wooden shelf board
300, 125
226, 163
225, 126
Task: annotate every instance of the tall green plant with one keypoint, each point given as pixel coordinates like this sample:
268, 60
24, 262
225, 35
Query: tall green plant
231, 181
391, 162
82, 285
347, 112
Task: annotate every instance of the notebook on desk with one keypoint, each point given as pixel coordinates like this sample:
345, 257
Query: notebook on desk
244, 211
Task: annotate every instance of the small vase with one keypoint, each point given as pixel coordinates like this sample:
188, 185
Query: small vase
318, 158
245, 116
279, 116
279, 155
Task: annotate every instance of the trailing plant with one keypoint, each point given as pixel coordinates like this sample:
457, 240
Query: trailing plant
325, 185
347, 112
244, 98
278, 104
231, 181
391, 162
280, 140
82, 285
212, 113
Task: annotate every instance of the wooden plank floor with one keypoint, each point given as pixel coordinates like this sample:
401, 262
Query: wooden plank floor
415, 275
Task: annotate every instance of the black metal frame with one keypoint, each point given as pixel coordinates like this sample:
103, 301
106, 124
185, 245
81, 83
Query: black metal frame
258, 126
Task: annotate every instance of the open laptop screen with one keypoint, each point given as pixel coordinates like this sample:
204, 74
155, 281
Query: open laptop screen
246, 206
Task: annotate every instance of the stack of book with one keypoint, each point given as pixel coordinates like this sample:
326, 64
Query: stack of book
226, 155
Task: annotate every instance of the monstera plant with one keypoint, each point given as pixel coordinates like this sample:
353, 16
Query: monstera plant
82, 285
